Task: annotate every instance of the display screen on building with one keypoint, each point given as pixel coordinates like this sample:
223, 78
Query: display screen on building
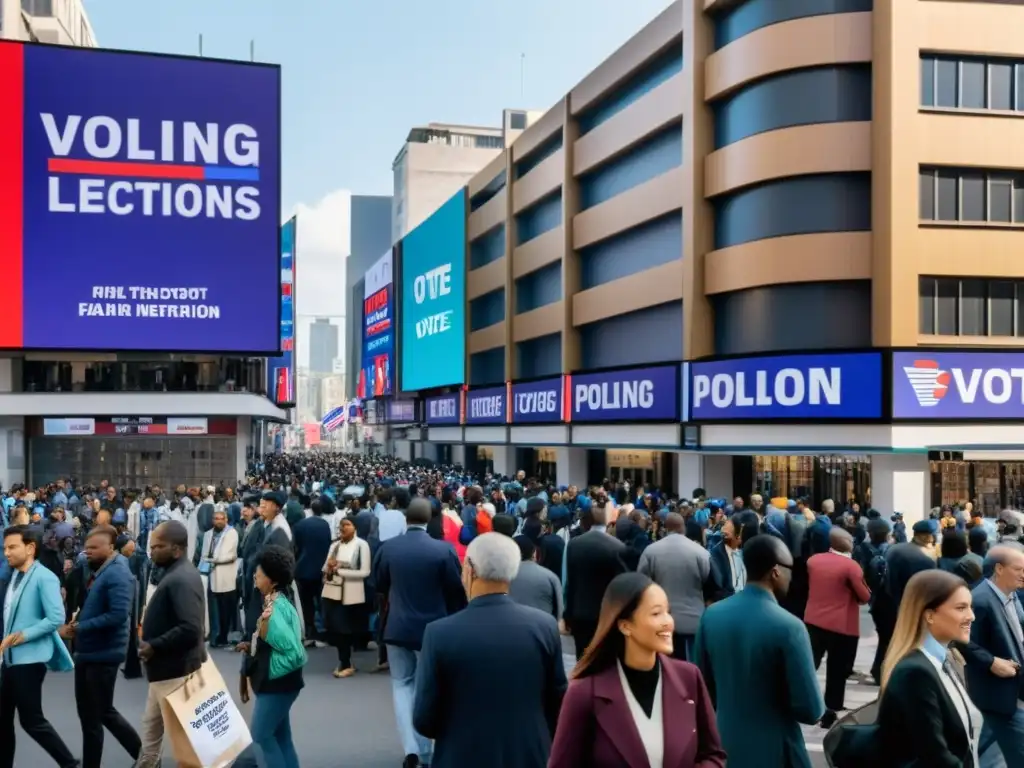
635, 394
434, 299
376, 375
140, 198
957, 386
281, 369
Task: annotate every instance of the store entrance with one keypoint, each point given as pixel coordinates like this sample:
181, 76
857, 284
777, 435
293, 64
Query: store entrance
844, 479
638, 468
991, 486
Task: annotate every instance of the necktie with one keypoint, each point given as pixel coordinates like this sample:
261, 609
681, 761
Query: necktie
950, 670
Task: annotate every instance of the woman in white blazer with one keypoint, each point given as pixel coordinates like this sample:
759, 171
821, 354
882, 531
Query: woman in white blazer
346, 614
219, 564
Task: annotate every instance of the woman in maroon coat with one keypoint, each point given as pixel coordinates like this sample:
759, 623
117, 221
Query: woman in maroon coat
630, 705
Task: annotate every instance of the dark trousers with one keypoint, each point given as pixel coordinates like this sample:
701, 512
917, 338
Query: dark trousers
21, 691
842, 652
309, 596
682, 647
343, 642
94, 696
382, 620
582, 633
885, 623
222, 606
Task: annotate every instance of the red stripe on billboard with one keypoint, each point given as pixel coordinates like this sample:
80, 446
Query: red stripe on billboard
12, 107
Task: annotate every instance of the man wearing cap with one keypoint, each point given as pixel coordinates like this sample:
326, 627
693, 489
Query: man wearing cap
904, 560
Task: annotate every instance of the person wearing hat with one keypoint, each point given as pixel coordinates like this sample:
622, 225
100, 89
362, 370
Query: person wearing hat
905, 560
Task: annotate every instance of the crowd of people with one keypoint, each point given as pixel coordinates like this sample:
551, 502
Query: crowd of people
698, 623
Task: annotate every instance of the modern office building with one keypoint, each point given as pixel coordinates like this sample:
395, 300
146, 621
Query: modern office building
797, 177
323, 345
371, 237
63, 22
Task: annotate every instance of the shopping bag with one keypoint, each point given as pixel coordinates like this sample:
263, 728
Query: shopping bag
202, 721
853, 741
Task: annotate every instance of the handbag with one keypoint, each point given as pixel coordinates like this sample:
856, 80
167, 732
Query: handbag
854, 741
334, 584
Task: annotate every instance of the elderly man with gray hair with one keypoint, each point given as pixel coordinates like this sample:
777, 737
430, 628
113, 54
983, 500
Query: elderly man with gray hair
494, 653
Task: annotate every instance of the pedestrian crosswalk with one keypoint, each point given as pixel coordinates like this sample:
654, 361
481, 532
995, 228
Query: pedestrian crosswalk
857, 693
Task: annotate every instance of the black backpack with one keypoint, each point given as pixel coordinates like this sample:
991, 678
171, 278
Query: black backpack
876, 569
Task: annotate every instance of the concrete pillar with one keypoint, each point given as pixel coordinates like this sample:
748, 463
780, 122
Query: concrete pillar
689, 473
244, 438
571, 466
901, 482
459, 454
717, 475
504, 459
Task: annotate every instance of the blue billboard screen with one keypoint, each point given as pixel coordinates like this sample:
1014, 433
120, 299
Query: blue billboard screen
376, 377
434, 299
281, 370
149, 187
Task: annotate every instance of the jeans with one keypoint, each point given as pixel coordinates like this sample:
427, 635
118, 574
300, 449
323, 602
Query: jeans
403, 687
272, 729
94, 697
21, 691
1008, 733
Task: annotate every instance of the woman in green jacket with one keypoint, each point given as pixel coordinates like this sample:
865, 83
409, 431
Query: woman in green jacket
274, 661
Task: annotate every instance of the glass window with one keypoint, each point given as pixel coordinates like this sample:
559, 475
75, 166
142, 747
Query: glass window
517, 121
1000, 86
1000, 293
945, 83
1000, 199
972, 85
973, 310
1019, 90
947, 187
928, 82
945, 306
926, 305
972, 189
1018, 199
927, 193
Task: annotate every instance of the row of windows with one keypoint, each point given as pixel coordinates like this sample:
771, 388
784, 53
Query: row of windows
951, 306
952, 194
970, 83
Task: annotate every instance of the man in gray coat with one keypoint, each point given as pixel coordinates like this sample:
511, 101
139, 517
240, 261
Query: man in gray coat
683, 569
534, 585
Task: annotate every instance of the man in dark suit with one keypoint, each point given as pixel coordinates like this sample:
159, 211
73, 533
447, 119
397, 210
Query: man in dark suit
457, 671
996, 652
591, 562
312, 537
249, 551
422, 580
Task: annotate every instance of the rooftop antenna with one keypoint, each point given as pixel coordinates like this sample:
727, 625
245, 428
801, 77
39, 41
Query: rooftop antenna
252, 50
522, 79
200, 44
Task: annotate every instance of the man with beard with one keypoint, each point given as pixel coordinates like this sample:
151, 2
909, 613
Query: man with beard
101, 633
762, 682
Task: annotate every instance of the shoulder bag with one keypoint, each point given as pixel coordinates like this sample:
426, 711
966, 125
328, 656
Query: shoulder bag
333, 584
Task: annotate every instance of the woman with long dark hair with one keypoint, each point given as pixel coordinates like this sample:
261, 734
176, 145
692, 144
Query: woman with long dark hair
925, 714
630, 703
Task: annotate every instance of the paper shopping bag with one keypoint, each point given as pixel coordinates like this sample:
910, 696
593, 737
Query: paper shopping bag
202, 721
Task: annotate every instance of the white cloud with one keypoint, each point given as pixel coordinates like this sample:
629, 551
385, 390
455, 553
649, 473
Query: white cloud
323, 244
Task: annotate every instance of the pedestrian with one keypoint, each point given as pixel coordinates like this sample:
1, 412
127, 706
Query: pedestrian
421, 578
756, 659
346, 613
925, 715
250, 549
836, 590
172, 644
534, 585
903, 561
457, 670
727, 571
682, 568
631, 703
219, 563
312, 537
274, 658
101, 631
995, 654
32, 612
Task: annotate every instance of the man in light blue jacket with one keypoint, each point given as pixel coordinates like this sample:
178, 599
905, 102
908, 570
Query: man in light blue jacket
32, 611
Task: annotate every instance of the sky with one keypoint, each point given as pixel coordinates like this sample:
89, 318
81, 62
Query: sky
358, 74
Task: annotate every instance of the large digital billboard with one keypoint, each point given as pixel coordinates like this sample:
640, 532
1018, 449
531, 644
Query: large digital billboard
434, 299
375, 377
281, 370
140, 195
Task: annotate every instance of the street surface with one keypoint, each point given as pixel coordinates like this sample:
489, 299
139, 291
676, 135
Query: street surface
353, 717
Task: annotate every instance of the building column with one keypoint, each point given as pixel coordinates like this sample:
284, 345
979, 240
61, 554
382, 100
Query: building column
504, 458
571, 466
689, 473
900, 482
459, 454
717, 476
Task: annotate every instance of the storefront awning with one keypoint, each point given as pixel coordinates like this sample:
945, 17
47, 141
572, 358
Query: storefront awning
140, 404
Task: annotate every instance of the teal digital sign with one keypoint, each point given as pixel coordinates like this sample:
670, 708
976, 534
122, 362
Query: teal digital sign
434, 299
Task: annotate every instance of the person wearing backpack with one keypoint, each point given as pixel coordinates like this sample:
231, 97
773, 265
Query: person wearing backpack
871, 554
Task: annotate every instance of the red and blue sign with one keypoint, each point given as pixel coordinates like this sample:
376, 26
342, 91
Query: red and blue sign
140, 200
958, 386
281, 369
376, 376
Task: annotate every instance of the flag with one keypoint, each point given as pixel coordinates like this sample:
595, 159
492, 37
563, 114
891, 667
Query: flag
334, 419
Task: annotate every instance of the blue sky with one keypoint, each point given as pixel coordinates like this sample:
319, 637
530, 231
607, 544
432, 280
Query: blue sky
358, 74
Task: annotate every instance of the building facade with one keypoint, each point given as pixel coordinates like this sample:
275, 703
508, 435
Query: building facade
371, 237
323, 345
62, 22
798, 177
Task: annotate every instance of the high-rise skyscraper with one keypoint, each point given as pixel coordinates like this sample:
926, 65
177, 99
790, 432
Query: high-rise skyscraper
323, 345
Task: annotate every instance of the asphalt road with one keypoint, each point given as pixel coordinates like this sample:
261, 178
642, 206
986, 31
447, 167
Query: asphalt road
352, 717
